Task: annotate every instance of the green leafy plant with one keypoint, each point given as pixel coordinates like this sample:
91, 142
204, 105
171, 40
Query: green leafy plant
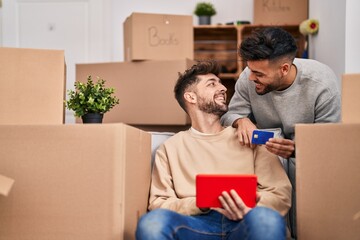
204, 9
91, 97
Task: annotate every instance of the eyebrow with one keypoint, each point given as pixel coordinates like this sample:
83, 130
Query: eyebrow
213, 80
256, 72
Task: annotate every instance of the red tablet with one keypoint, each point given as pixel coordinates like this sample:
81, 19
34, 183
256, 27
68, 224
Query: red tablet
210, 186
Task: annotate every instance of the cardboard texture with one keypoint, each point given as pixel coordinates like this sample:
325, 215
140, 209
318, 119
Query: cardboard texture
145, 90
277, 12
32, 86
74, 181
149, 36
350, 109
327, 181
5, 185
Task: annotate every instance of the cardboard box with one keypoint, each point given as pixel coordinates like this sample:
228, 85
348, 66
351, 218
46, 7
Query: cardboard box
278, 12
327, 181
145, 90
32, 86
74, 181
350, 109
150, 36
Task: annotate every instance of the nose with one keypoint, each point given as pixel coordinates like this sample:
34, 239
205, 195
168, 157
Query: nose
222, 88
252, 76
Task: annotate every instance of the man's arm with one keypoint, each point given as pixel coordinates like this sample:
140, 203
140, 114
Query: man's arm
329, 111
162, 192
239, 110
244, 128
239, 106
273, 183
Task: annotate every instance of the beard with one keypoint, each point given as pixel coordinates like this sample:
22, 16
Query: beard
267, 89
270, 87
212, 107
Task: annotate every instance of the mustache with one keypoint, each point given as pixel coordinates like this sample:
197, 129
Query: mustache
220, 94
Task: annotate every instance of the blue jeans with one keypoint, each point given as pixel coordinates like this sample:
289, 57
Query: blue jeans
260, 223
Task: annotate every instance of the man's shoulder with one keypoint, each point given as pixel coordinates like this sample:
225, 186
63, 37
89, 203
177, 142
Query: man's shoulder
189, 135
316, 72
310, 65
176, 137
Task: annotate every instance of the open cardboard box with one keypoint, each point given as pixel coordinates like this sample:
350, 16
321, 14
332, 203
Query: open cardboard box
74, 181
32, 86
327, 172
327, 181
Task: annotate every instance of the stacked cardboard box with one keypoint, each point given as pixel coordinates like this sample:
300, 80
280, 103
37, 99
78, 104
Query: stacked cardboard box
156, 48
67, 181
145, 90
74, 181
149, 36
327, 172
280, 12
32, 86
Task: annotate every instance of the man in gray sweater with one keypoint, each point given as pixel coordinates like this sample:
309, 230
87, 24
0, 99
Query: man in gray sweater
277, 90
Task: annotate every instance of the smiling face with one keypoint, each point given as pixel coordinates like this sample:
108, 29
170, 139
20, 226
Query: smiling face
210, 95
268, 76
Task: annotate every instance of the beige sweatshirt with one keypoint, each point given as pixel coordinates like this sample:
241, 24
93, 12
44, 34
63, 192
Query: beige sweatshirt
188, 153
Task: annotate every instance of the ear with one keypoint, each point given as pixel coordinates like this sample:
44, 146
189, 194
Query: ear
285, 68
190, 97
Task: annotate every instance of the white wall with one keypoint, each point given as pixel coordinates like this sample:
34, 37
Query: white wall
352, 37
118, 10
328, 46
228, 11
1, 24
337, 43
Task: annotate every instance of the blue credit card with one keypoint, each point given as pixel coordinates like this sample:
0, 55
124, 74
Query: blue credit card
261, 137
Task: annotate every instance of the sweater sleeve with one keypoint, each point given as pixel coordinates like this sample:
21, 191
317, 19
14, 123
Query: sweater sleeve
328, 108
273, 183
162, 192
239, 106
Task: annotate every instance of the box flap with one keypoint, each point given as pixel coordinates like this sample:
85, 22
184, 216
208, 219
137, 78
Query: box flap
5, 185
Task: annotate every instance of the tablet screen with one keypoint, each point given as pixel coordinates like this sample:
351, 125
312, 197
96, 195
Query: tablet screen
210, 186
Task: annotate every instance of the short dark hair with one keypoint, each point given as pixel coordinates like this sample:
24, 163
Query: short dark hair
269, 43
190, 77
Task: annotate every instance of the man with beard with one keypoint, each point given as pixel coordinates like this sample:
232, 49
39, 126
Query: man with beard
277, 90
208, 147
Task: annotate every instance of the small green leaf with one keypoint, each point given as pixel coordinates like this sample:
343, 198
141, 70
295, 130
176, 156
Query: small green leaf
91, 97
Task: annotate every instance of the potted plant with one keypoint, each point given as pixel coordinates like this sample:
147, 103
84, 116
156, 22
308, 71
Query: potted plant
91, 100
204, 10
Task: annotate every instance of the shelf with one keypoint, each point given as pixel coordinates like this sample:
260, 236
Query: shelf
221, 43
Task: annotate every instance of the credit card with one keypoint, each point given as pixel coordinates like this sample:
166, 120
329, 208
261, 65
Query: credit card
261, 137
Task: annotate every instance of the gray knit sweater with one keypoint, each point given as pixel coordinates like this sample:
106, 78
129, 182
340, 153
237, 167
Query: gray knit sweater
314, 97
